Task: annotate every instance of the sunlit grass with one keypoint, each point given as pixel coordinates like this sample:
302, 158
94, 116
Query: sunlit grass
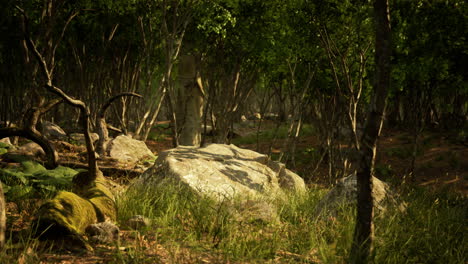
190, 228
432, 230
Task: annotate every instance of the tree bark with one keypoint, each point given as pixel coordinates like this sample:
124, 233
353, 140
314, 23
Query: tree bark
51, 154
190, 110
2, 217
361, 250
30, 131
83, 179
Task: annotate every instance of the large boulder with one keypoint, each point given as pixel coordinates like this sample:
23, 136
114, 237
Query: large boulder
224, 171
345, 194
126, 149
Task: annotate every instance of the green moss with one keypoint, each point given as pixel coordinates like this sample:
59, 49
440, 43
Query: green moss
102, 199
68, 210
68, 214
65, 218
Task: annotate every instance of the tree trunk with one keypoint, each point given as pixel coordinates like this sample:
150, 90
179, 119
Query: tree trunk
2, 217
190, 110
363, 233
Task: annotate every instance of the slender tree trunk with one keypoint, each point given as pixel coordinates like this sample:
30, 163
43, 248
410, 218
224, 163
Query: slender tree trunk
361, 250
2, 217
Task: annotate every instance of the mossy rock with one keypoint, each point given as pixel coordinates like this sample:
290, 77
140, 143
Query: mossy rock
66, 216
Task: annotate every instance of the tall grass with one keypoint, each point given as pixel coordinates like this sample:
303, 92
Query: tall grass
432, 230
194, 229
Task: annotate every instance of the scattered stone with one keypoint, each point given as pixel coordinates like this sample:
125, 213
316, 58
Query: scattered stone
5, 141
138, 222
30, 149
126, 149
224, 171
345, 194
53, 131
103, 232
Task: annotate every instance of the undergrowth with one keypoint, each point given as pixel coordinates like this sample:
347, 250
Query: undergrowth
432, 230
191, 228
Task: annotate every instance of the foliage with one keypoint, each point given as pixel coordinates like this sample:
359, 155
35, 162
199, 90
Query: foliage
32, 180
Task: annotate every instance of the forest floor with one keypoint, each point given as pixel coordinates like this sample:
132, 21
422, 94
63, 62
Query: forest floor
441, 163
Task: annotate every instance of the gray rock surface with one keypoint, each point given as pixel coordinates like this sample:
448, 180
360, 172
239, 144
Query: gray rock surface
52, 131
30, 149
224, 171
126, 149
104, 232
345, 194
138, 222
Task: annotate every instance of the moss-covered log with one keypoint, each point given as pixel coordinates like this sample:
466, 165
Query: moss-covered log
66, 216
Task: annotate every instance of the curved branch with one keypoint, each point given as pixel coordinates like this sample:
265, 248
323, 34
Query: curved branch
102, 125
84, 115
51, 154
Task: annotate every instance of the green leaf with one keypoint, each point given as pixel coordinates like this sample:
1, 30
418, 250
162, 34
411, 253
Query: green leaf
31, 167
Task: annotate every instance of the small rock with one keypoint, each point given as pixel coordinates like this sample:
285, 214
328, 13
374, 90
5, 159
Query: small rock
31, 149
345, 193
104, 232
126, 149
138, 222
6, 141
53, 131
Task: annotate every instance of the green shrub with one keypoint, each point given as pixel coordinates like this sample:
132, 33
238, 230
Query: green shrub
32, 180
